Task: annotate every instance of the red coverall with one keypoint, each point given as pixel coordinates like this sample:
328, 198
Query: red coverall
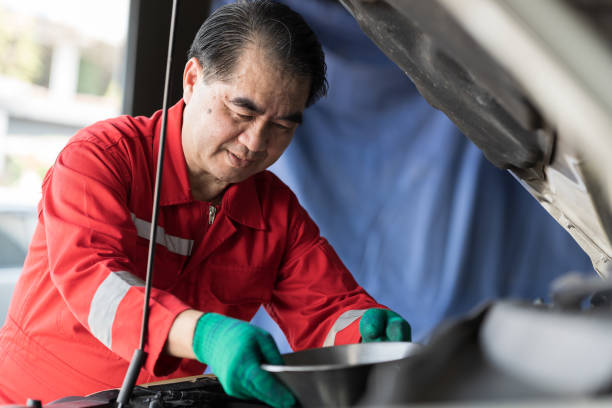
75, 316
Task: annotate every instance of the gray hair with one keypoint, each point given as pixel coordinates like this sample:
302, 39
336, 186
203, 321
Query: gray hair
283, 32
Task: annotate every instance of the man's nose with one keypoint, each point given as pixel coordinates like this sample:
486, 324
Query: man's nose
254, 137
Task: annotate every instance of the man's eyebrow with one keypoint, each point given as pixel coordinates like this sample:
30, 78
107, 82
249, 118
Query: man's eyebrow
246, 103
293, 117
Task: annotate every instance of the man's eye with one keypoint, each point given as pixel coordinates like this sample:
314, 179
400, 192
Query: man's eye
243, 116
281, 126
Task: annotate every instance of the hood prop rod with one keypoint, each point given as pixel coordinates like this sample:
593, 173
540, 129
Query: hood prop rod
139, 354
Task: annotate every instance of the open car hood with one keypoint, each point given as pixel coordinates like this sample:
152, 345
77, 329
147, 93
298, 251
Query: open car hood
529, 82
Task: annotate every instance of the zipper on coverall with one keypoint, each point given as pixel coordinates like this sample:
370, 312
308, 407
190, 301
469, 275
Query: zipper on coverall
212, 211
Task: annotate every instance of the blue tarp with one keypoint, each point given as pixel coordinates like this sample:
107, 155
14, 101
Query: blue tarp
415, 211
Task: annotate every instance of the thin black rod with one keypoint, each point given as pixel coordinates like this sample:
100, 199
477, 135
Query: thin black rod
158, 182
139, 354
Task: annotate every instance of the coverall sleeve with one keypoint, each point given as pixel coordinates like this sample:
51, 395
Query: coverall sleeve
316, 300
90, 233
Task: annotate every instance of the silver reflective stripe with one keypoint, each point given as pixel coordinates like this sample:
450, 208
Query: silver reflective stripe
343, 322
105, 303
174, 244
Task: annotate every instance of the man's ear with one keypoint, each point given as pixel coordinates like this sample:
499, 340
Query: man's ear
191, 74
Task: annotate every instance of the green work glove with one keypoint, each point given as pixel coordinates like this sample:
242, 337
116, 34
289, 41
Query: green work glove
383, 325
234, 351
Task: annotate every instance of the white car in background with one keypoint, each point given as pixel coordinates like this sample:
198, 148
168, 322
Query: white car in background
17, 223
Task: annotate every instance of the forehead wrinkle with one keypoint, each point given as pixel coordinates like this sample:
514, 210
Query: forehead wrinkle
255, 77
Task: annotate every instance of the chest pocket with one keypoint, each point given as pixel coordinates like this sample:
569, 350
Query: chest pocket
238, 285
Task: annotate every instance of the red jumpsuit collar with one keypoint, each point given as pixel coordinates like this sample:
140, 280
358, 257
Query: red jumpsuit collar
240, 200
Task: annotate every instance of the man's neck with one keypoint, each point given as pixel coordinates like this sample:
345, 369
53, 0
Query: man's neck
203, 189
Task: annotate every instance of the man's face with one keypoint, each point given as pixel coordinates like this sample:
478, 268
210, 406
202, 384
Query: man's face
235, 128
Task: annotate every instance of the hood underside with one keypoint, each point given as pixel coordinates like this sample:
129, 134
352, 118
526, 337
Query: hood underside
529, 82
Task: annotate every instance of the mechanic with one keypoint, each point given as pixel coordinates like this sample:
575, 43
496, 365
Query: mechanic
230, 237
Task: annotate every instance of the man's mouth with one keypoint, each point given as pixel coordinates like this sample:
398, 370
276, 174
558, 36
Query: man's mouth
237, 161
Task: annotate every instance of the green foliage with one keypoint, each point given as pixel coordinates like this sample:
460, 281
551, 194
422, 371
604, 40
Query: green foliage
94, 78
20, 56
16, 166
12, 171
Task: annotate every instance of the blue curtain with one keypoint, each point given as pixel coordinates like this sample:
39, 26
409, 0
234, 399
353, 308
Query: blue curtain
423, 221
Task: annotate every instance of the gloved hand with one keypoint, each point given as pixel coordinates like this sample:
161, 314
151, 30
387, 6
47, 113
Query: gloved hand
234, 350
383, 325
